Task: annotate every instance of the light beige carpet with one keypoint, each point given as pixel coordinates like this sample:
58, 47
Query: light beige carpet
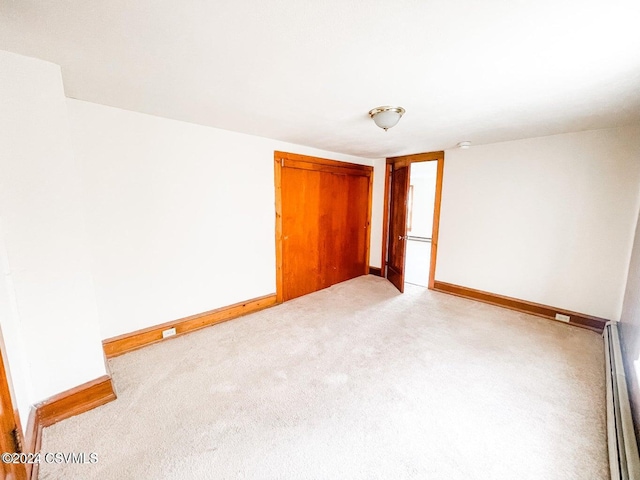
353, 382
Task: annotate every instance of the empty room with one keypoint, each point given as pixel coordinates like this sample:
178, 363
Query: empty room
319, 240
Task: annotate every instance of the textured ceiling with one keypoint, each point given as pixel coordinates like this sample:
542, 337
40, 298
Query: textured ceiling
309, 71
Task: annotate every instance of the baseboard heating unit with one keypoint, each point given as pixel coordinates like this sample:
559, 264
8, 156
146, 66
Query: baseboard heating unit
623, 448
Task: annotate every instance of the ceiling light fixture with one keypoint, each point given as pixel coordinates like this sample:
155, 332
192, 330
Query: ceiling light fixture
386, 117
464, 145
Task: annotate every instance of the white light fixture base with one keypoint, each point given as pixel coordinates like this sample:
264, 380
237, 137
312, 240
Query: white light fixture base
386, 117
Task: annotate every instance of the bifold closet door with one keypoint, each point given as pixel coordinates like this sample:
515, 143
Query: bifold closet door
325, 214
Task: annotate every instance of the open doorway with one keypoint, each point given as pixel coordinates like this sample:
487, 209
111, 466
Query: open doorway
409, 220
420, 203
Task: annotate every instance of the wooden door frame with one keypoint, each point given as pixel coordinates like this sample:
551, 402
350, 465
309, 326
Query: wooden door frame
7, 398
385, 217
283, 159
394, 162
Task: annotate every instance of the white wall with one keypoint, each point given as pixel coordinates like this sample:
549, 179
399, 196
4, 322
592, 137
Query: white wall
52, 325
377, 211
549, 220
15, 361
181, 216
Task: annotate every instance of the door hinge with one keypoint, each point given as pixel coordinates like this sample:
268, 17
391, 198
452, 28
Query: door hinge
16, 440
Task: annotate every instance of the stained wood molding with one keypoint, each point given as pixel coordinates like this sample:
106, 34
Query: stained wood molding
65, 405
393, 164
75, 401
578, 319
277, 179
33, 440
435, 234
404, 160
385, 215
367, 245
292, 160
375, 271
11, 437
132, 341
337, 169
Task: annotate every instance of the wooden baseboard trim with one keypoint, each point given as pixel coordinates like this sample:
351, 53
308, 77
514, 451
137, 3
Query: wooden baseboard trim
578, 319
375, 271
75, 401
65, 405
141, 338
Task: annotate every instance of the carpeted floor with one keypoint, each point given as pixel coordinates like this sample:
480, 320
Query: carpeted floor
353, 382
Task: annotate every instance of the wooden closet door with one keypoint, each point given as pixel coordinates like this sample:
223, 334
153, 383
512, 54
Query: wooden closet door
324, 214
302, 222
350, 228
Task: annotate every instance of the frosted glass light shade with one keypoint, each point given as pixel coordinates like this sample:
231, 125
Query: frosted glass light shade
386, 117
